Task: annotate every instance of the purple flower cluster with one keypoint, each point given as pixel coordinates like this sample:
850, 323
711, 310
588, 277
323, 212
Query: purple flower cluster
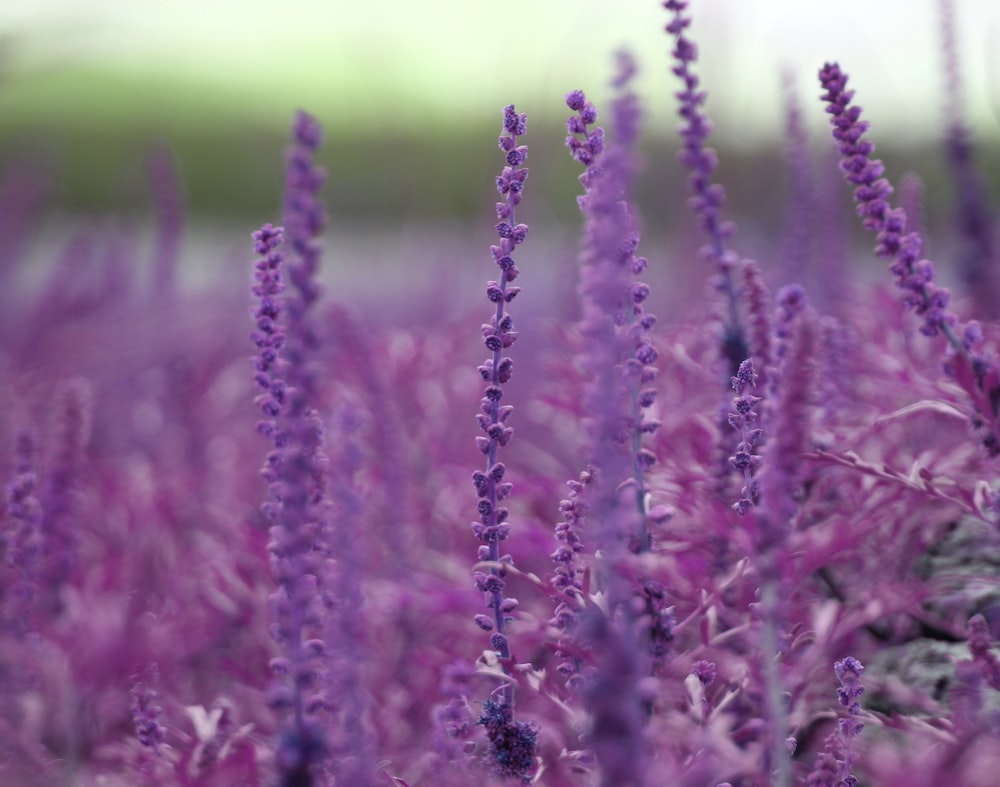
512, 742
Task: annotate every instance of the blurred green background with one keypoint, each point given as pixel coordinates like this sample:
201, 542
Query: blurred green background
411, 95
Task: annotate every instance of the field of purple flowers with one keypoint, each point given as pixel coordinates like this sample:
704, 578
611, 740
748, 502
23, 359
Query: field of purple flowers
609, 532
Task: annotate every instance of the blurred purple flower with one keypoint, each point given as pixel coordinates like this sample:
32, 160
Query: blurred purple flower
22, 542
303, 219
295, 507
146, 715
976, 219
708, 197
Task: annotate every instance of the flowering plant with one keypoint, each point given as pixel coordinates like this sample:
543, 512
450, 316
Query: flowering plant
776, 562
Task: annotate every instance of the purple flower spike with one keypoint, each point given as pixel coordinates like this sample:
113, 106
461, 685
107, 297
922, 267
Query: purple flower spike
146, 715
620, 358
792, 390
833, 764
707, 197
512, 743
294, 471
23, 542
974, 372
849, 672
871, 193
616, 322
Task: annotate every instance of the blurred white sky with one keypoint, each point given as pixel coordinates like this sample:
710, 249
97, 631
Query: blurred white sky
399, 60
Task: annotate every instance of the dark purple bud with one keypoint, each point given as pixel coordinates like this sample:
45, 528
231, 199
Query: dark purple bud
484, 622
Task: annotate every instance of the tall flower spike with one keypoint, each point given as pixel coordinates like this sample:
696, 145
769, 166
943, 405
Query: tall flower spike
618, 356
290, 470
707, 197
612, 239
976, 373
511, 742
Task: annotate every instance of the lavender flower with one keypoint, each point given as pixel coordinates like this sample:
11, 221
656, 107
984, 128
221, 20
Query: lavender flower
146, 716
567, 577
849, 673
708, 198
914, 275
614, 703
23, 541
833, 765
296, 545
619, 358
788, 416
974, 372
61, 493
512, 747
512, 743
620, 354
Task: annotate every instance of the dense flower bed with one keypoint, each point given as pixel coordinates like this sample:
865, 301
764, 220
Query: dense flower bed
751, 542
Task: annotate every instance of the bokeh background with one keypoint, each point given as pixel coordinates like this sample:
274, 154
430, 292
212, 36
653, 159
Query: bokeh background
91, 91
